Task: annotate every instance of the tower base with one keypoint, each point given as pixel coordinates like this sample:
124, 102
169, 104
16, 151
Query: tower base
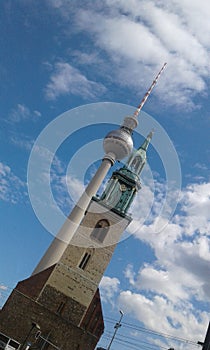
34, 317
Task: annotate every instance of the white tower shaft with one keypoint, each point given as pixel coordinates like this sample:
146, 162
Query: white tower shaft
61, 241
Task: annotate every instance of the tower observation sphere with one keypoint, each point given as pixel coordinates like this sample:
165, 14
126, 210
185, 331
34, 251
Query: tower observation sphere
118, 144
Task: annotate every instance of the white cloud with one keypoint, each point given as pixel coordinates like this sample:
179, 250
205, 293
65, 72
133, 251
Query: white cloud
194, 212
86, 58
22, 112
12, 188
130, 274
138, 36
172, 29
116, 35
66, 79
108, 289
201, 166
157, 313
181, 247
196, 205
172, 292
22, 142
3, 287
197, 18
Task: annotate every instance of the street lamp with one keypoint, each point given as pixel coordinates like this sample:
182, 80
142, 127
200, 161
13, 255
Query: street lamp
33, 326
117, 326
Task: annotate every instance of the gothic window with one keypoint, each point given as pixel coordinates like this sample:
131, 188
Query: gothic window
100, 230
84, 261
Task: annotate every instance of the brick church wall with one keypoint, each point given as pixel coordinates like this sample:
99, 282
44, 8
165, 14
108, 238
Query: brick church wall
20, 311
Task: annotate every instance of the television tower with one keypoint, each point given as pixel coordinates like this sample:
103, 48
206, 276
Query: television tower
117, 144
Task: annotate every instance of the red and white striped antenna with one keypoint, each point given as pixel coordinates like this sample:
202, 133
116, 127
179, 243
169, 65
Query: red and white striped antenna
148, 92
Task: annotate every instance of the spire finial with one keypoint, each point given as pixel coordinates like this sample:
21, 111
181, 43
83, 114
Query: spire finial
151, 133
148, 92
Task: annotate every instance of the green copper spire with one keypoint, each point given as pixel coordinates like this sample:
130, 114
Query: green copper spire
138, 158
124, 183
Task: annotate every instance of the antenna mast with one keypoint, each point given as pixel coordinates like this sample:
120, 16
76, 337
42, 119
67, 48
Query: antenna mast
148, 92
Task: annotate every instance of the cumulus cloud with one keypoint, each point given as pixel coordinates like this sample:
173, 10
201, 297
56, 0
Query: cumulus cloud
139, 35
163, 292
12, 188
182, 249
158, 313
196, 205
65, 79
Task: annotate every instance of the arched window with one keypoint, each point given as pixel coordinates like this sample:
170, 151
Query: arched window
100, 230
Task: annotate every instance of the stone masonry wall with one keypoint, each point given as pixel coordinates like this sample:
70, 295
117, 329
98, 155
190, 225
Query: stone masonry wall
20, 311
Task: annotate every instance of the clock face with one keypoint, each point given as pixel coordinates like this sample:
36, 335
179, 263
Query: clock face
123, 187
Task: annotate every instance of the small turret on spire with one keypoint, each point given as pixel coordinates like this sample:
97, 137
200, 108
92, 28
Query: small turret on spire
138, 158
146, 142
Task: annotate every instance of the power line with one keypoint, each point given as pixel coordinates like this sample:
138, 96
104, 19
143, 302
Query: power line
137, 344
133, 345
140, 342
153, 332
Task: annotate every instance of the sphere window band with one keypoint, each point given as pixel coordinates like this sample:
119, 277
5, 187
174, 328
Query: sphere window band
100, 230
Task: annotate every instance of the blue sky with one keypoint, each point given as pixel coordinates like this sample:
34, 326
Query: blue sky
59, 55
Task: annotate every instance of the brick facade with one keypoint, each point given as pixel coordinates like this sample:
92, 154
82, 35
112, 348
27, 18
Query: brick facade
27, 305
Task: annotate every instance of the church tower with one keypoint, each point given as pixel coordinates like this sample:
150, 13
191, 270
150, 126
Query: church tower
59, 305
125, 182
